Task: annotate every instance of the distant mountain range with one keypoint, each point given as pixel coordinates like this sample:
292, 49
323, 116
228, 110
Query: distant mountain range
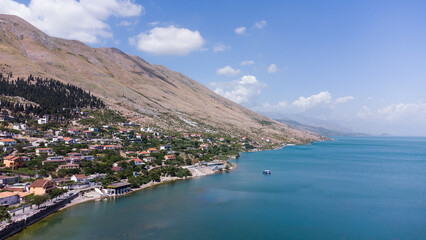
152, 95
319, 130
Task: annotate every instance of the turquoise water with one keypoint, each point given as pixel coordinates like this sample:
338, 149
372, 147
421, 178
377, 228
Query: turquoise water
351, 188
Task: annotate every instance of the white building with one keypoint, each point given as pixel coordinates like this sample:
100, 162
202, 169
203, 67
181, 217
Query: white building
7, 142
43, 120
8, 198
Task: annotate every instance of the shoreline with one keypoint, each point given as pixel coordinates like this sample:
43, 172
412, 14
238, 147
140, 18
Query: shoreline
164, 180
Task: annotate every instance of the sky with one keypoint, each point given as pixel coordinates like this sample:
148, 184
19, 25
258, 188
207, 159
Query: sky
356, 65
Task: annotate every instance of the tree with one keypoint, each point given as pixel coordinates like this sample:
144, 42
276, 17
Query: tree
56, 192
39, 199
4, 214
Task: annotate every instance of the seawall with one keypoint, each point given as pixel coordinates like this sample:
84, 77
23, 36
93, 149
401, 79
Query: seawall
18, 226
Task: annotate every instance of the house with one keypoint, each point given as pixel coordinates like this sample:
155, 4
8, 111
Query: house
68, 166
5, 117
165, 147
7, 142
169, 157
199, 135
25, 158
268, 140
93, 129
8, 148
48, 151
149, 159
118, 188
144, 153
69, 140
84, 151
74, 154
110, 147
55, 159
8, 198
13, 162
204, 146
117, 169
148, 130
193, 134
6, 180
136, 160
18, 187
41, 186
88, 158
73, 131
58, 139
88, 133
20, 127
152, 150
96, 147
43, 120
80, 178
186, 135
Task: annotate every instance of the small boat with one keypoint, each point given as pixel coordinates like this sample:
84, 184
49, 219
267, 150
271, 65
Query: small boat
266, 172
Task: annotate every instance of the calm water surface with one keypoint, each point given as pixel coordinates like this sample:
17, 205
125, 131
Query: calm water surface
351, 188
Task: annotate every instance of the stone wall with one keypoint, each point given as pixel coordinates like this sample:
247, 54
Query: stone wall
18, 226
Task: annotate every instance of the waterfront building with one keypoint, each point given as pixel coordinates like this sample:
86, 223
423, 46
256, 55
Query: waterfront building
41, 186
8, 198
118, 188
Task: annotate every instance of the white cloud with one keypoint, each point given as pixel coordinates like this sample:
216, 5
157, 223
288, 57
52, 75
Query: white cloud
303, 104
243, 91
240, 30
227, 71
247, 62
168, 41
272, 68
403, 111
344, 99
260, 24
154, 23
220, 47
409, 112
84, 20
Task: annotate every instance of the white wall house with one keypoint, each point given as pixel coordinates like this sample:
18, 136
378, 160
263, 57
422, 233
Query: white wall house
8, 198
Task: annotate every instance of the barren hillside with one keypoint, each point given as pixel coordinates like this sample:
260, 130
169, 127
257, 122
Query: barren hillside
150, 94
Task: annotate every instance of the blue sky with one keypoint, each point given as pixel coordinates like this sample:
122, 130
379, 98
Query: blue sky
359, 65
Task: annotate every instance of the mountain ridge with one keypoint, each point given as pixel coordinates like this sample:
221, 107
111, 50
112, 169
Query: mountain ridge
150, 94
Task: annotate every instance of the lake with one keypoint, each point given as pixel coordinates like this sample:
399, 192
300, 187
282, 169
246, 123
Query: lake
351, 188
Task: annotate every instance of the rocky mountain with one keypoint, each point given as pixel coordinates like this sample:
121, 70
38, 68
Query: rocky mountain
323, 131
150, 94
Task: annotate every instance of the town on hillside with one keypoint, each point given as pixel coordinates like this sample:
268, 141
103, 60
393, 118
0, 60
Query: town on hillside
53, 154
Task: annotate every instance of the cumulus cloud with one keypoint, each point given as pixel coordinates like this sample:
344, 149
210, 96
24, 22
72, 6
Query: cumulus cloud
168, 41
260, 24
220, 47
272, 68
303, 104
240, 30
227, 71
344, 99
84, 20
244, 91
247, 62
